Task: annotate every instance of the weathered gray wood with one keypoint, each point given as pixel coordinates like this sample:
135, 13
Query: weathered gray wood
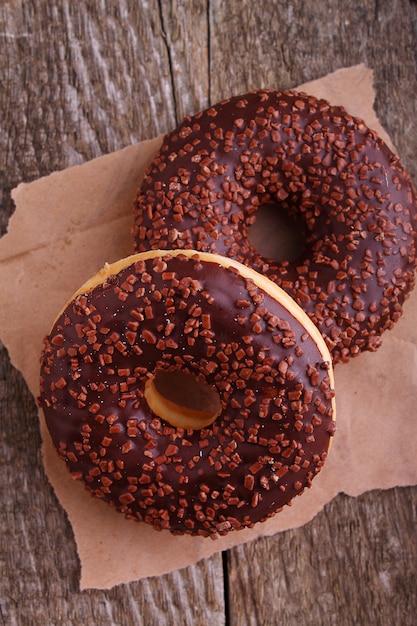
80, 79
355, 563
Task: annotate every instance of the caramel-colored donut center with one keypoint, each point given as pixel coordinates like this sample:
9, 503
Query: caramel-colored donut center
182, 400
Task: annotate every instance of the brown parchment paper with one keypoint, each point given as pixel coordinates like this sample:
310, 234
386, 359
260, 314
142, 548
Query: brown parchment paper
66, 226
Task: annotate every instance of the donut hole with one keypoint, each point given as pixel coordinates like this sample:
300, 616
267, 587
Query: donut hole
276, 234
182, 400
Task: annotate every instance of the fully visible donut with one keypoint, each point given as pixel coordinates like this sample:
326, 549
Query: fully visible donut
111, 376
315, 161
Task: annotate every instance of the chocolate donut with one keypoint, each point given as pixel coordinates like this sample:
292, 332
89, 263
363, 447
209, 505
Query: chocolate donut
314, 161
188, 392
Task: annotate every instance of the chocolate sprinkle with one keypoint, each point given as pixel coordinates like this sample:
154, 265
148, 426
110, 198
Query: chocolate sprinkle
314, 161
276, 424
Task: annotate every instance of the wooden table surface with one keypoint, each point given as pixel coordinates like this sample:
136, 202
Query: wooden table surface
82, 79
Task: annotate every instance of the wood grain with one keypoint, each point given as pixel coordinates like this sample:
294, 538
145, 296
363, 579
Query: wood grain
83, 79
344, 567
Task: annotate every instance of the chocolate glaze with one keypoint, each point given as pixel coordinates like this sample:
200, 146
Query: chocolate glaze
180, 313
315, 161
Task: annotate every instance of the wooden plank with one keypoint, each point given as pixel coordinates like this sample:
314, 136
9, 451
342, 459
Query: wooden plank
185, 30
286, 43
83, 79
80, 80
356, 562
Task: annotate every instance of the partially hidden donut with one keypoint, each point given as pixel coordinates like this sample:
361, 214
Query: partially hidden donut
319, 164
188, 391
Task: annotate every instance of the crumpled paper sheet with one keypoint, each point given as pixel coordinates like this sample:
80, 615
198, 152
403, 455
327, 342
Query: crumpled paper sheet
66, 226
